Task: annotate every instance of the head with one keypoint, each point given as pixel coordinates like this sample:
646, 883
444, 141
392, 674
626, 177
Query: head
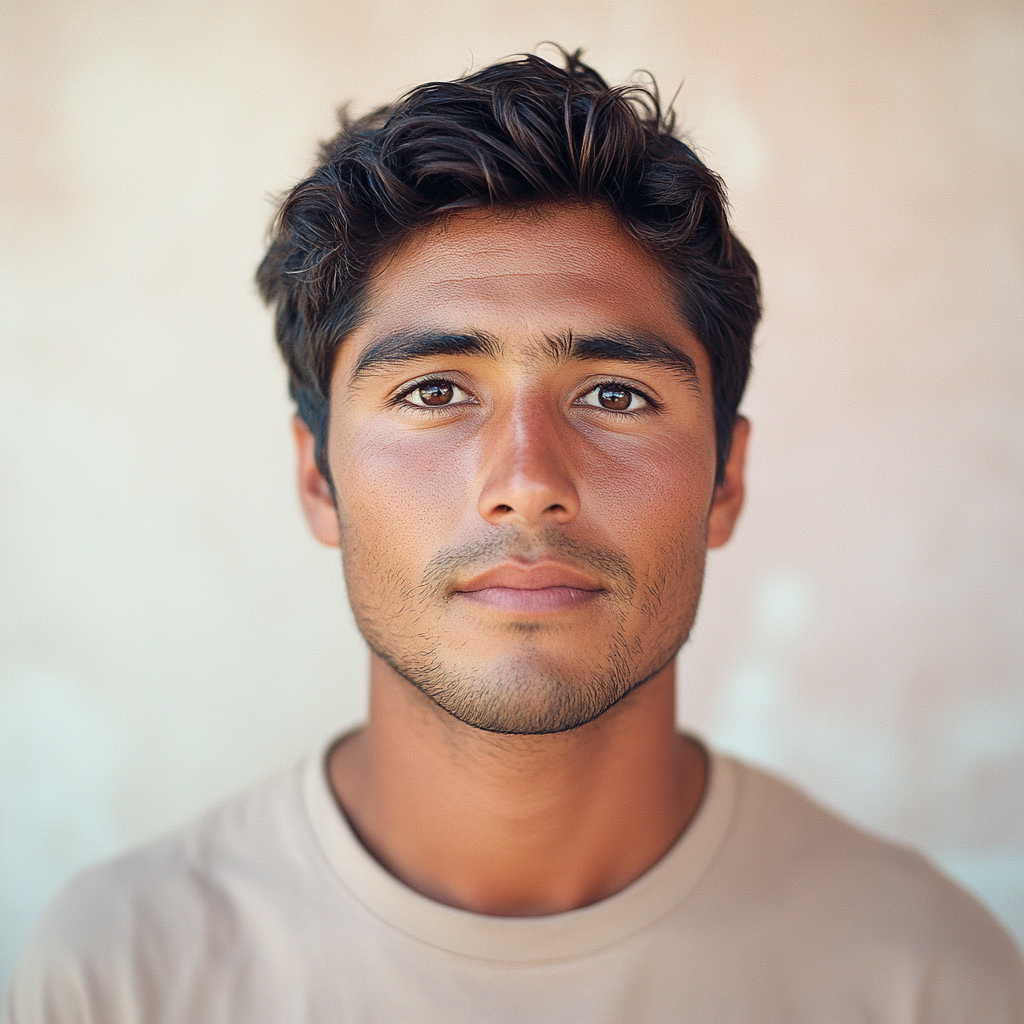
518, 328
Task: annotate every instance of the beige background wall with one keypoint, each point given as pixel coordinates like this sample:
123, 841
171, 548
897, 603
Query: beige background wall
169, 629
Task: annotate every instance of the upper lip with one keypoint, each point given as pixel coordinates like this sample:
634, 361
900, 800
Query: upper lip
536, 576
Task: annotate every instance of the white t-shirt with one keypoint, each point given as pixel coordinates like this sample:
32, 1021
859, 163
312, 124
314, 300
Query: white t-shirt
268, 910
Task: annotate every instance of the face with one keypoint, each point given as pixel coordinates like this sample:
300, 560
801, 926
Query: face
523, 452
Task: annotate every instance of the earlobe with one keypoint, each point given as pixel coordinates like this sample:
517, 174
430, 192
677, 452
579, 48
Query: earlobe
314, 491
728, 499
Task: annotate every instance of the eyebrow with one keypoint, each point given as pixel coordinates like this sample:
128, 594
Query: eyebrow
635, 347
408, 345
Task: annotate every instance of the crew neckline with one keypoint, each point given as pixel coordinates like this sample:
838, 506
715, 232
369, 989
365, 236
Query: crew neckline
523, 939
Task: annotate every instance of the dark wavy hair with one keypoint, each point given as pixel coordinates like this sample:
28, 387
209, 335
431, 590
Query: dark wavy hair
520, 133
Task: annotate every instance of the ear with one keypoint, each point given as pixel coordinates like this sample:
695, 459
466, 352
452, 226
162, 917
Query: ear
728, 499
314, 490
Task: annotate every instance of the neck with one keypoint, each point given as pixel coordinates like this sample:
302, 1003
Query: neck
517, 825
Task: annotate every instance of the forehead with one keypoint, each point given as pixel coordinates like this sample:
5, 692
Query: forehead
517, 275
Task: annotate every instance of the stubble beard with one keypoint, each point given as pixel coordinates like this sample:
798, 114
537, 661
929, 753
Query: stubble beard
400, 618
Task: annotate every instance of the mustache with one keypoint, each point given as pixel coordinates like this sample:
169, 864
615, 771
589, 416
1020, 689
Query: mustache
448, 565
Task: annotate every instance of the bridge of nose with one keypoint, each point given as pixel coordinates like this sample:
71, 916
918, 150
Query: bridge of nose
525, 471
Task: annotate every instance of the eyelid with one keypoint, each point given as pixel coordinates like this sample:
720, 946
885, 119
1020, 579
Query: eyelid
649, 400
410, 387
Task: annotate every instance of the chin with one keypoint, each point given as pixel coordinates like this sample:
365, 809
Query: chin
529, 696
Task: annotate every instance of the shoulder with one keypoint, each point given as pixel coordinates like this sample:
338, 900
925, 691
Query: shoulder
102, 947
845, 866
826, 882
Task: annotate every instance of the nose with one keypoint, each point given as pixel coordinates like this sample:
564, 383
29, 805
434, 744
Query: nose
525, 469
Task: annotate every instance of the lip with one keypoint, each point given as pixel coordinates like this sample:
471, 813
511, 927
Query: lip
531, 589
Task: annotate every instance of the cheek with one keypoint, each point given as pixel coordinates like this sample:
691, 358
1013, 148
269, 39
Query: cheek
651, 488
402, 489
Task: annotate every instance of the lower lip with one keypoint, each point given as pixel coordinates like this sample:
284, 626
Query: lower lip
546, 599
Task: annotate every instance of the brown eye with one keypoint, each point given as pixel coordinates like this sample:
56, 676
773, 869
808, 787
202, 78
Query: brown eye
614, 396
435, 392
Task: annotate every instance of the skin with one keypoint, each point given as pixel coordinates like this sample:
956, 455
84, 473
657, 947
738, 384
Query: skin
523, 520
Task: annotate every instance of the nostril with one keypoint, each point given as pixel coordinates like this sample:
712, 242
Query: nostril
502, 508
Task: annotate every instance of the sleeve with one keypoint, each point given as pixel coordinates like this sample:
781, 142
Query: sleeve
78, 966
978, 977
47, 989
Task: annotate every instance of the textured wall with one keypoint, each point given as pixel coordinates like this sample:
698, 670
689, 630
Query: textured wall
169, 629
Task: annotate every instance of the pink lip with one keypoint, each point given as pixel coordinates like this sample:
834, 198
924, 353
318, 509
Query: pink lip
536, 588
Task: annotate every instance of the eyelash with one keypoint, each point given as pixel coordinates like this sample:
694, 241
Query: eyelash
653, 404
402, 396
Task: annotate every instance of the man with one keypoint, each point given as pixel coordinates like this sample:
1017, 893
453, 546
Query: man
518, 329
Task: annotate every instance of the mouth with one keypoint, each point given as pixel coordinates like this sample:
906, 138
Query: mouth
530, 589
